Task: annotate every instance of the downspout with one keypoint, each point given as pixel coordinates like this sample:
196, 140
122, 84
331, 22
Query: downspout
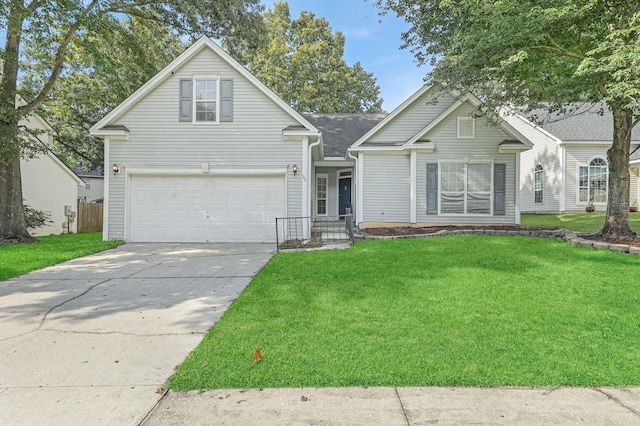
356, 186
307, 203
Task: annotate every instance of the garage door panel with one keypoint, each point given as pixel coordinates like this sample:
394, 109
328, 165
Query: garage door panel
205, 208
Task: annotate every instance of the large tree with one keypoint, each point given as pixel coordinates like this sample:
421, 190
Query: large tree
539, 52
301, 60
54, 26
98, 76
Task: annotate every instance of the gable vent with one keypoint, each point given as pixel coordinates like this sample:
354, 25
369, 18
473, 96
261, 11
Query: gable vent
466, 127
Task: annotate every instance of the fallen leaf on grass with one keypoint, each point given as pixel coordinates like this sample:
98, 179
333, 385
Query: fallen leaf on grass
257, 355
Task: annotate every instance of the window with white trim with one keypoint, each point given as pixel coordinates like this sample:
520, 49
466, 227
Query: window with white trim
593, 181
465, 188
322, 184
538, 182
87, 183
466, 128
206, 99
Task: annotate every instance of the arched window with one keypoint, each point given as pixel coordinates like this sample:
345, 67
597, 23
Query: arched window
539, 184
593, 181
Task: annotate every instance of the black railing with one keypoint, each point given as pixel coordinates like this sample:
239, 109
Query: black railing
301, 232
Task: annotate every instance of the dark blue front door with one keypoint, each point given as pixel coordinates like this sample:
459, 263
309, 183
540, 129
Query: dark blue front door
344, 195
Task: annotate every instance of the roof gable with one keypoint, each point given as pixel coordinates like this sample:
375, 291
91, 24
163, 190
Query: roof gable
395, 113
187, 55
418, 139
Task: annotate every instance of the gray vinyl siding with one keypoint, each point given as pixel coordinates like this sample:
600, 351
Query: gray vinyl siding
157, 137
484, 147
386, 192
413, 119
545, 152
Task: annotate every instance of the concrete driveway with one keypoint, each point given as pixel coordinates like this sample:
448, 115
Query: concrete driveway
93, 341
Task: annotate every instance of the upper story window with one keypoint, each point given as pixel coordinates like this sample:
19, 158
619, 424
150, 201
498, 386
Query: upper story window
87, 183
593, 181
466, 128
206, 99
539, 184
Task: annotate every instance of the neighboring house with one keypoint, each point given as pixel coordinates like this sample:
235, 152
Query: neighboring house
567, 169
93, 189
205, 152
47, 183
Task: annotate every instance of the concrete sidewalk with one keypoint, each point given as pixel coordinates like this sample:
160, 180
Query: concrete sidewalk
401, 406
92, 341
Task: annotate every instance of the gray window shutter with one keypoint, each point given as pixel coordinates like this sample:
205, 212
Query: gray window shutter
432, 188
226, 99
186, 100
499, 189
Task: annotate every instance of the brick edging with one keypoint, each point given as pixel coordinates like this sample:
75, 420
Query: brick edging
562, 234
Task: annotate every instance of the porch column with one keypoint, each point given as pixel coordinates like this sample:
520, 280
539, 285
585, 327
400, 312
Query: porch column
413, 183
517, 188
562, 176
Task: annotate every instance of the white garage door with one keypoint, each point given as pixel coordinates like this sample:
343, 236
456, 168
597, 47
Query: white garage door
205, 208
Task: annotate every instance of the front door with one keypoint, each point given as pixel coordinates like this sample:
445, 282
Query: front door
344, 195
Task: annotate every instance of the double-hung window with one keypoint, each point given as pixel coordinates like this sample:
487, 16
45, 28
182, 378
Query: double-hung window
465, 188
538, 184
593, 181
206, 99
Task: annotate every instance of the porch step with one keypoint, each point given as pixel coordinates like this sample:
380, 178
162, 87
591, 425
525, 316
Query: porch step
330, 230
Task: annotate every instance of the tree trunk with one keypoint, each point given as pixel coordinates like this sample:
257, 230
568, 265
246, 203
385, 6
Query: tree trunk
617, 221
13, 227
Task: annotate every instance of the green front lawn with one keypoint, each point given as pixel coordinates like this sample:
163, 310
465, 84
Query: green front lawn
22, 258
578, 222
460, 310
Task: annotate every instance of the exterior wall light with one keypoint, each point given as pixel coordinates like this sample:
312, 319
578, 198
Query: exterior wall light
294, 169
115, 169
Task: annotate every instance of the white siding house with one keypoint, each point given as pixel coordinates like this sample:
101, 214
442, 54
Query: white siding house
431, 162
567, 170
205, 152
47, 183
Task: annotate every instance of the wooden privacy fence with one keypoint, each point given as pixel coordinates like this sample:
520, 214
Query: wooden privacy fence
89, 217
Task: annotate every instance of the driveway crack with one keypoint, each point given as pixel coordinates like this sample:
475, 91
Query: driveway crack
122, 333
44, 318
404, 412
622, 404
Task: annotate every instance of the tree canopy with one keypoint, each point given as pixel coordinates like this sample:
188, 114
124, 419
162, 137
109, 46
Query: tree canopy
98, 77
301, 60
529, 53
58, 29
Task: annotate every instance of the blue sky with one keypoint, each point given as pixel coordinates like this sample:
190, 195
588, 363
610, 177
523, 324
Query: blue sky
375, 44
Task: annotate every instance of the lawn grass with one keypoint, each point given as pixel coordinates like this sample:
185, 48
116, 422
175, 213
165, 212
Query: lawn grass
460, 310
19, 259
578, 222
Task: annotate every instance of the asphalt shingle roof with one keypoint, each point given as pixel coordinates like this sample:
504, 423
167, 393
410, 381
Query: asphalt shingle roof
340, 131
589, 122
